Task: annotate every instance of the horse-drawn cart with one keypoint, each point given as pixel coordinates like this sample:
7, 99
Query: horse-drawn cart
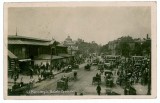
62, 84
109, 82
75, 66
108, 78
87, 67
96, 80
47, 74
20, 89
68, 68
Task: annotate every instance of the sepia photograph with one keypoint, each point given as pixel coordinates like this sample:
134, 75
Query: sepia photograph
80, 50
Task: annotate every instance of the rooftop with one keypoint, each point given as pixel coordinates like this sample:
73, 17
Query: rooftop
25, 37
21, 42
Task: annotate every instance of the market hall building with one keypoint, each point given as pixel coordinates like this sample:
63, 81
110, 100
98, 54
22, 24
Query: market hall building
24, 51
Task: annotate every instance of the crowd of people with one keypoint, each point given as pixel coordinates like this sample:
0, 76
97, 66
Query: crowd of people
130, 72
134, 72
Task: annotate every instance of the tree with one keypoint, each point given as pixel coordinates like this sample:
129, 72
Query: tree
104, 48
125, 49
123, 46
85, 48
137, 49
146, 46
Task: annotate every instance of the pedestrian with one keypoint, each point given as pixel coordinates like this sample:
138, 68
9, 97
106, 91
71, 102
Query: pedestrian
15, 78
21, 83
17, 72
75, 93
98, 89
12, 74
81, 93
31, 72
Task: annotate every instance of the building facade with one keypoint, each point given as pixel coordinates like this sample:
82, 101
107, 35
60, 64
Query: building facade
34, 51
115, 47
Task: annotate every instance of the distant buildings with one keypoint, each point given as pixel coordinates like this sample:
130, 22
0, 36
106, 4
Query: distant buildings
114, 47
72, 48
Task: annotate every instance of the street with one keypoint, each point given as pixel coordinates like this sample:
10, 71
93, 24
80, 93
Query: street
82, 85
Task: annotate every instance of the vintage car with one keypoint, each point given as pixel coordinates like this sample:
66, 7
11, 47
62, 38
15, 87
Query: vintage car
108, 78
107, 65
95, 62
108, 72
100, 66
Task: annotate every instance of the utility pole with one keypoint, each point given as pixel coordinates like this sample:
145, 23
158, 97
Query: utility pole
149, 76
52, 45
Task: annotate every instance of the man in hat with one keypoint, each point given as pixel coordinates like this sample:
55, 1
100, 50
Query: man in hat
98, 89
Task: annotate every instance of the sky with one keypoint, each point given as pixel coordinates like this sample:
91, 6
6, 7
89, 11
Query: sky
99, 24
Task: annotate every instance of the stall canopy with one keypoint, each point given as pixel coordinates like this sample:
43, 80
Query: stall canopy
24, 60
48, 57
65, 55
11, 55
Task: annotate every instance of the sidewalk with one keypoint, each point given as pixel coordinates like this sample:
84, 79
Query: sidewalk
26, 79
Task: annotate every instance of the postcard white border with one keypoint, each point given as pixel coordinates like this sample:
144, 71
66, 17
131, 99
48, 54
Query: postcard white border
83, 4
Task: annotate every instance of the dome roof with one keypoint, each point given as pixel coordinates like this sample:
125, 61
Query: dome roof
68, 38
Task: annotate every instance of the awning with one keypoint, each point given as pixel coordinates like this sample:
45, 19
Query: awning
65, 55
11, 55
47, 57
24, 60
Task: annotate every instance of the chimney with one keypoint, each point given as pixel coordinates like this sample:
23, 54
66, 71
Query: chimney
147, 36
16, 31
